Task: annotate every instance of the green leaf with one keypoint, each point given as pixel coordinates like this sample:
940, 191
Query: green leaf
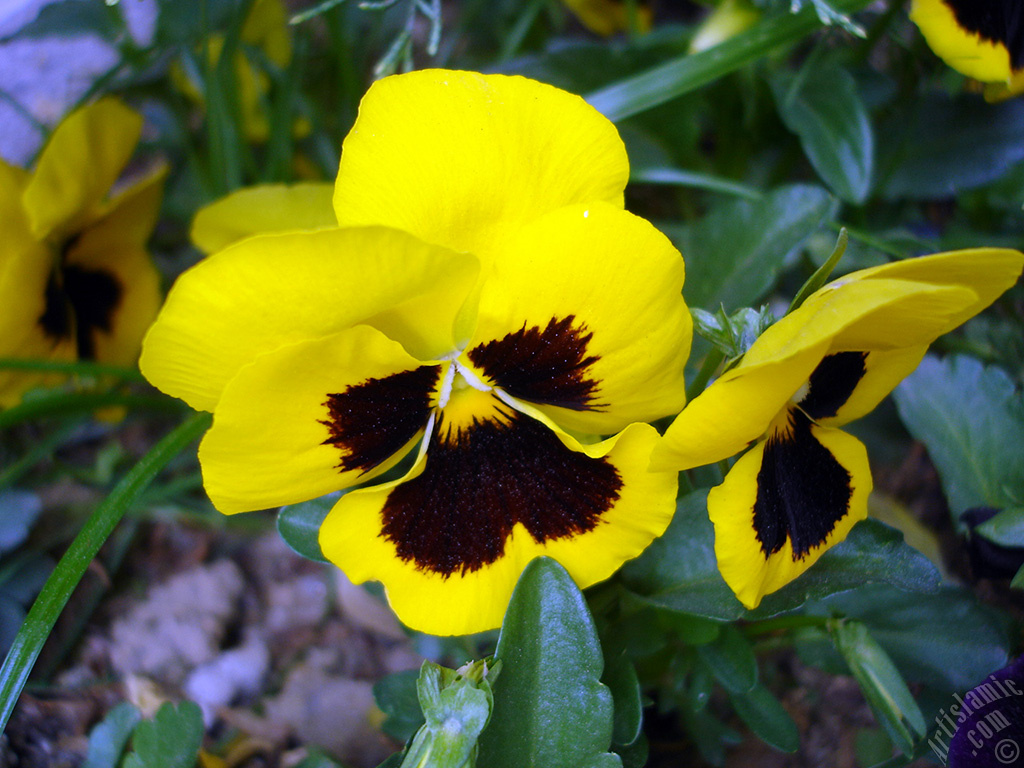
550, 707
821, 106
299, 525
946, 640
679, 178
939, 146
687, 73
108, 739
767, 718
396, 696
170, 740
734, 254
73, 18
620, 677
971, 419
731, 660
1018, 579
679, 572
881, 683
1006, 528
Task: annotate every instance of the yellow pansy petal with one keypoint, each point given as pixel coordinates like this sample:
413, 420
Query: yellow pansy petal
583, 315
266, 26
79, 164
989, 272
314, 417
462, 159
784, 503
472, 545
263, 209
25, 269
974, 41
606, 17
273, 290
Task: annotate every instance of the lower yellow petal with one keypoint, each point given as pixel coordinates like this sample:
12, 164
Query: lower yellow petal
784, 503
964, 49
263, 209
275, 439
468, 588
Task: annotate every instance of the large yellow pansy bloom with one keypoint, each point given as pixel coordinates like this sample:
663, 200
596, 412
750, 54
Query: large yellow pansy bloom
76, 281
485, 294
983, 39
804, 484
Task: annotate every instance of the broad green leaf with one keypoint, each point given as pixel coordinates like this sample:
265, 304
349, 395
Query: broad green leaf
170, 740
766, 717
1006, 528
946, 640
620, 677
821, 105
550, 707
679, 572
734, 254
971, 420
109, 738
730, 659
299, 525
396, 697
317, 759
938, 146
73, 18
881, 683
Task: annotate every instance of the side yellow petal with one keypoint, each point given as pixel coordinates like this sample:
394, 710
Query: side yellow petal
462, 602
749, 571
270, 440
78, 166
272, 290
462, 159
620, 280
965, 51
263, 209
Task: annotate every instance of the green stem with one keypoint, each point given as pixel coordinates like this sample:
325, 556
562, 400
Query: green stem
55, 593
687, 73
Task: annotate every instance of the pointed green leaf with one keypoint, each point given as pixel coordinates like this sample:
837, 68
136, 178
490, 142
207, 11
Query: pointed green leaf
821, 106
620, 677
299, 525
730, 659
767, 718
109, 738
550, 707
1006, 528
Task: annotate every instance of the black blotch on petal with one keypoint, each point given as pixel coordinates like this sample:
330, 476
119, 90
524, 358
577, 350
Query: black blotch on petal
832, 383
802, 491
546, 366
373, 420
94, 296
56, 320
457, 515
997, 21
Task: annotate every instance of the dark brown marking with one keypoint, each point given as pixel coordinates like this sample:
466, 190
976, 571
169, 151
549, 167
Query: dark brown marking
832, 383
802, 491
373, 420
546, 366
94, 295
997, 21
457, 515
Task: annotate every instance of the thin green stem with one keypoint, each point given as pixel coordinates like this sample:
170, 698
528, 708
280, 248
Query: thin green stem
55, 593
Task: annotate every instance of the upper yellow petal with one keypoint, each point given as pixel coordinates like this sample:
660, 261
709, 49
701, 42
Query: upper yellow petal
263, 209
462, 159
78, 166
620, 281
272, 290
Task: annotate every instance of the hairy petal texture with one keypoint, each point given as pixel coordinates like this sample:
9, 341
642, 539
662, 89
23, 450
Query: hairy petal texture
280, 433
503, 530
620, 280
462, 159
784, 503
263, 209
273, 290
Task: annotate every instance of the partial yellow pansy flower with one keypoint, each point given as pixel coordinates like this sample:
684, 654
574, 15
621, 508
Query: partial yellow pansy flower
484, 302
606, 17
728, 19
983, 39
805, 483
76, 281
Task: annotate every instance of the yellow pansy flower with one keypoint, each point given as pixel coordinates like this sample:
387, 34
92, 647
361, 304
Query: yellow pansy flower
805, 483
76, 281
606, 17
983, 39
485, 295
